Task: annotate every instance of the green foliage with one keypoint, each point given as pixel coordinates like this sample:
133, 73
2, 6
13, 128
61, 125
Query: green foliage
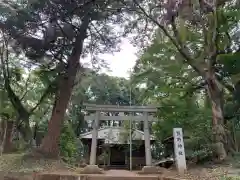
6, 109
172, 86
162, 73
230, 62
182, 113
68, 144
195, 121
229, 178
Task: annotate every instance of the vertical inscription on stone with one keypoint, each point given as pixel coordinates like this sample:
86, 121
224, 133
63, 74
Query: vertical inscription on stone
179, 150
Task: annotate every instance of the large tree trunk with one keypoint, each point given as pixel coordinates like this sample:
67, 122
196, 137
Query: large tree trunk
6, 136
8, 146
50, 142
3, 132
25, 131
215, 92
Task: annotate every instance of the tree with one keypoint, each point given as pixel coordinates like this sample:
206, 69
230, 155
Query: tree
17, 87
196, 31
68, 25
173, 87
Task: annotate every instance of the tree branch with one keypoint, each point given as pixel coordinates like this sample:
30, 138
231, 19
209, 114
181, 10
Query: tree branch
26, 85
228, 86
181, 49
213, 45
203, 27
18, 106
194, 88
48, 90
45, 94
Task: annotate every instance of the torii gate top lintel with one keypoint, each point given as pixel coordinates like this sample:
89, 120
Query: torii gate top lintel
116, 108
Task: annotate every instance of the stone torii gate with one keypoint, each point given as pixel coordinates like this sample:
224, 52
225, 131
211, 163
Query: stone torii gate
145, 110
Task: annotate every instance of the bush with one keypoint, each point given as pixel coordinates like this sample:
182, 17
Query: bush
200, 156
68, 144
230, 178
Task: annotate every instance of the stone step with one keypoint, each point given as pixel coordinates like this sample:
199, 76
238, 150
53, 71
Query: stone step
100, 177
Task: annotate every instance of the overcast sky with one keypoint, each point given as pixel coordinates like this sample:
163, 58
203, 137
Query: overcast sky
121, 62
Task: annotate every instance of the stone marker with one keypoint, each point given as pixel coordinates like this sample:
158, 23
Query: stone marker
179, 151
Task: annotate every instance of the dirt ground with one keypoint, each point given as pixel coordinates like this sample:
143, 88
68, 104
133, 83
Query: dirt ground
197, 173
20, 166
192, 174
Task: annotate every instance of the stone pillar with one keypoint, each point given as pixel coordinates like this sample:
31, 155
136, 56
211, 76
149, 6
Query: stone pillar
179, 150
147, 141
93, 154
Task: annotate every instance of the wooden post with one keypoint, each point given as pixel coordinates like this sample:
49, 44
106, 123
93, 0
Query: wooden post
93, 154
147, 140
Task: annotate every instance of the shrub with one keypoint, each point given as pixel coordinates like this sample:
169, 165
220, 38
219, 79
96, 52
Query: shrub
68, 144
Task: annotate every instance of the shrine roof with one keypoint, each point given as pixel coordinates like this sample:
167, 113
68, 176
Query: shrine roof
115, 135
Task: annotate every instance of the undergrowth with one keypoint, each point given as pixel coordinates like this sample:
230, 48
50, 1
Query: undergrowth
24, 163
230, 178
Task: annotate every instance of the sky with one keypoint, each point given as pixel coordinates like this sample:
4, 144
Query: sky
120, 63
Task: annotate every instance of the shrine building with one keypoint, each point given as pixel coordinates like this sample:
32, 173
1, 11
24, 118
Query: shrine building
113, 147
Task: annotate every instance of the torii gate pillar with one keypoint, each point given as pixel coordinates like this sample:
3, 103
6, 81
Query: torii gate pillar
147, 141
93, 154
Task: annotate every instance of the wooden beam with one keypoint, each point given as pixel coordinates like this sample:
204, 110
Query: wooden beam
119, 118
115, 108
